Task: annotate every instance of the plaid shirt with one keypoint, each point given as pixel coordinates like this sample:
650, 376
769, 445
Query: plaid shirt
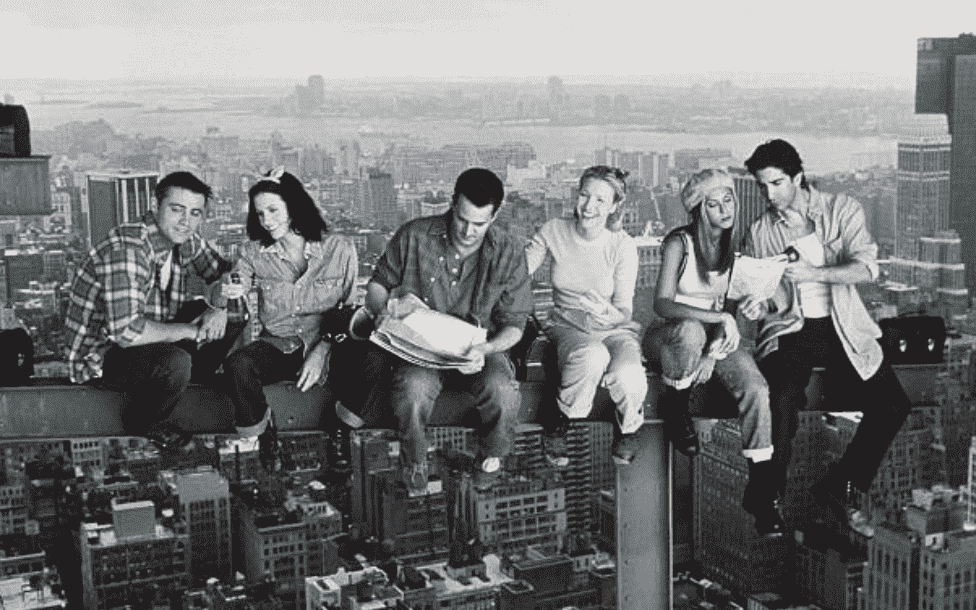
120, 286
489, 288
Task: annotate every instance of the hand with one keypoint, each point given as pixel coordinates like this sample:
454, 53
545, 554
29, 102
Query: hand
602, 310
728, 339
802, 271
213, 324
706, 366
476, 353
753, 308
401, 307
313, 368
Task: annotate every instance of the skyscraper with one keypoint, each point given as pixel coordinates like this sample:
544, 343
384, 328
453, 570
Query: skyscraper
927, 254
924, 153
752, 203
946, 84
203, 497
117, 197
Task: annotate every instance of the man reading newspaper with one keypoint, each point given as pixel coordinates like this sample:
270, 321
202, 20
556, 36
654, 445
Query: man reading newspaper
463, 265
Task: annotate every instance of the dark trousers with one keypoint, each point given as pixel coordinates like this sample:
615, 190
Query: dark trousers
154, 376
880, 398
16, 357
415, 389
252, 367
359, 378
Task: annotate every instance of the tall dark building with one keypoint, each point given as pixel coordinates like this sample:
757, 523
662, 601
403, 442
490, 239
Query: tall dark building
752, 203
946, 84
115, 198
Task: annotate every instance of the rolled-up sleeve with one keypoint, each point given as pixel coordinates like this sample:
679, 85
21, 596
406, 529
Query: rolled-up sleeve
389, 268
515, 302
858, 243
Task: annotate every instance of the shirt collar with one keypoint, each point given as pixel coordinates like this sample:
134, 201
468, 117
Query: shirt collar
313, 249
815, 207
161, 245
442, 226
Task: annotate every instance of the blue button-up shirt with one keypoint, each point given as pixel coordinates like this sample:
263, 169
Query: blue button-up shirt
291, 305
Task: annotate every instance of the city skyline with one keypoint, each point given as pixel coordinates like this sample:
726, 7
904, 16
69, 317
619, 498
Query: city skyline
502, 38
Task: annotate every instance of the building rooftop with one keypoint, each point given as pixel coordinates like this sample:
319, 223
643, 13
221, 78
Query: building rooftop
17, 594
492, 571
104, 535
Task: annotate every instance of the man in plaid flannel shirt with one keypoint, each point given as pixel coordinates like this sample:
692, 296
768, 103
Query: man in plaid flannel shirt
133, 325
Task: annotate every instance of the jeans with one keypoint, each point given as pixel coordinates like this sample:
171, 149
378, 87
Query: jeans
359, 378
154, 376
737, 372
588, 359
248, 370
415, 389
880, 398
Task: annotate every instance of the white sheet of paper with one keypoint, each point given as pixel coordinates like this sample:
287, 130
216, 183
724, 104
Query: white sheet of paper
755, 276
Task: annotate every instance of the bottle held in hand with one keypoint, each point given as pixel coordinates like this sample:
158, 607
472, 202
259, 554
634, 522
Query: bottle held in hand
236, 307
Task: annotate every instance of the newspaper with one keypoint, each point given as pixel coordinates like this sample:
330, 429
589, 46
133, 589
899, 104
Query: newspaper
429, 338
758, 277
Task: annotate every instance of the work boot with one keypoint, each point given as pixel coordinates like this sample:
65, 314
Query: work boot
625, 448
487, 473
679, 426
760, 499
167, 436
269, 447
837, 494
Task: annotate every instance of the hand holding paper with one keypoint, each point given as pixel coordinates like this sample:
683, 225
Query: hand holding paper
756, 277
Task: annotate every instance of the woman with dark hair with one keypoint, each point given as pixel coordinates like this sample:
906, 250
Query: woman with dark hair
302, 271
699, 338
594, 274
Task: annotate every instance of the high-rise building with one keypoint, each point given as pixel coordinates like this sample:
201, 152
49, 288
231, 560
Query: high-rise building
282, 538
926, 562
752, 204
118, 197
970, 486
590, 470
924, 159
416, 524
24, 186
829, 566
946, 84
380, 201
131, 559
316, 86
724, 539
927, 254
203, 498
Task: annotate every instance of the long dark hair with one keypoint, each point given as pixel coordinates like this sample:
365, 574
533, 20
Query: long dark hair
305, 217
725, 253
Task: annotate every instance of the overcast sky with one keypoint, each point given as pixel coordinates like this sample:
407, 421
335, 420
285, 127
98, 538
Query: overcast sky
353, 38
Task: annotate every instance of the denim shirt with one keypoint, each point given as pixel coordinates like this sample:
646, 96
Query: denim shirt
490, 288
839, 223
291, 306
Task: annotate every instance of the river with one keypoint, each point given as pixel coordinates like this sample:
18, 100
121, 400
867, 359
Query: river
553, 143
